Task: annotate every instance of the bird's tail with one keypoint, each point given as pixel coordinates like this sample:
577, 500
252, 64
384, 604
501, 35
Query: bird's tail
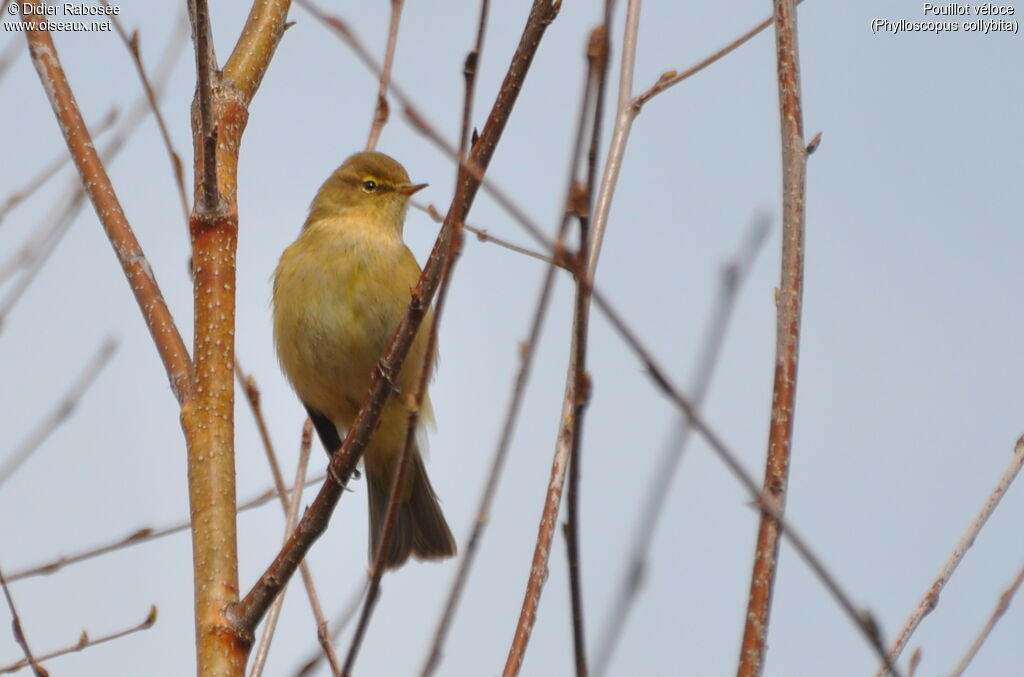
420, 530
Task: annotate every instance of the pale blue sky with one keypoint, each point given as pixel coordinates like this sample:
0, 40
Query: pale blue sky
908, 399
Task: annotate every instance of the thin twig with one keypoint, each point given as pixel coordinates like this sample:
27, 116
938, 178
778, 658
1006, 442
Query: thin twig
62, 411
658, 375
19, 632
380, 111
577, 385
484, 235
455, 244
132, 43
527, 350
402, 469
49, 171
292, 516
326, 636
85, 641
1001, 607
206, 76
143, 535
931, 597
252, 396
787, 342
248, 611
37, 248
732, 276
673, 78
158, 318
598, 51
469, 72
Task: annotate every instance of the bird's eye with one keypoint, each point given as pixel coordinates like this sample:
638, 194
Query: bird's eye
369, 185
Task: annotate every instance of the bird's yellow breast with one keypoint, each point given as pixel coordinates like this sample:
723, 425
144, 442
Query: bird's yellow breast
340, 292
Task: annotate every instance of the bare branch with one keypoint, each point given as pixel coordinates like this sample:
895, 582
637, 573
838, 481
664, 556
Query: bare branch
19, 632
484, 235
292, 517
143, 535
787, 343
262, 33
931, 597
672, 78
1001, 607
85, 641
132, 43
252, 394
94, 177
380, 113
37, 248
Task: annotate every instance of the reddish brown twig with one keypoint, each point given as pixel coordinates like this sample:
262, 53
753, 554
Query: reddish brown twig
381, 111
248, 611
455, 244
788, 298
62, 411
579, 200
85, 641
132, 43
252, 396
597, 68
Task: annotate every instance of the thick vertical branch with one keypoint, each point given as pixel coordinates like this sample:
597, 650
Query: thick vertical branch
219, 117
788, 298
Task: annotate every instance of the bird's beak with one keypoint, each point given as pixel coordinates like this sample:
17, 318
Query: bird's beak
409, 189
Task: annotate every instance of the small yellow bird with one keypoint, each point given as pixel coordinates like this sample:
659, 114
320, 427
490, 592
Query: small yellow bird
340, 291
